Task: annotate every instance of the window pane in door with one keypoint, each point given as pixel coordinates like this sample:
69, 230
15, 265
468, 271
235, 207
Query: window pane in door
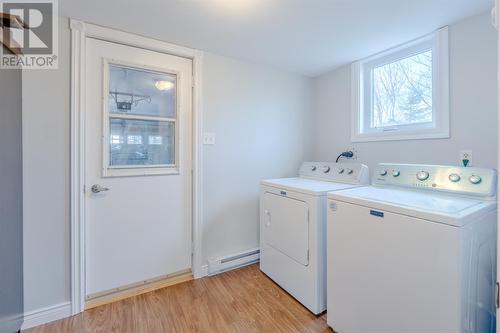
402, 92
141, 143
141, 92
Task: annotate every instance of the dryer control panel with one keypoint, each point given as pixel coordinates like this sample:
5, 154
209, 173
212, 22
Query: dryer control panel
351, 173
468, 181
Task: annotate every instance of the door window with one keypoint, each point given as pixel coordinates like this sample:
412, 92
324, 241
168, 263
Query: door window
141, 127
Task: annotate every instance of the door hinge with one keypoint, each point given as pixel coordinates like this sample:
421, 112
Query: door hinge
497, 295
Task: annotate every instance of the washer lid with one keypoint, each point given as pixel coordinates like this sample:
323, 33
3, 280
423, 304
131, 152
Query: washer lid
306, 186
438, 207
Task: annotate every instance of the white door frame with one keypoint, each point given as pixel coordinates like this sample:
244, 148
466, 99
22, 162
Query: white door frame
79, 32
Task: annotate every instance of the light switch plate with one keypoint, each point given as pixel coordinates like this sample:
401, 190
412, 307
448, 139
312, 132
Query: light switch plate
209, 138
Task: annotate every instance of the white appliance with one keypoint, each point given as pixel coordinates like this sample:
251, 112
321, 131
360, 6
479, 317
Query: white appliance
293, 227
415, 252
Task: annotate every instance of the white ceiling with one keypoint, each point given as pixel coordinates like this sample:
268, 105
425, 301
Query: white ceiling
304, 36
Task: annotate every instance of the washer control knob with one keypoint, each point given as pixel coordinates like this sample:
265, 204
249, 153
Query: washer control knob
326, 169
454, 177
340, 170
313, 168
396, 173
422, 175
475, 179
350, 171
383, 173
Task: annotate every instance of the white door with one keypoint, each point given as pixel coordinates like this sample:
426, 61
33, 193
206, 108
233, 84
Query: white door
138, 152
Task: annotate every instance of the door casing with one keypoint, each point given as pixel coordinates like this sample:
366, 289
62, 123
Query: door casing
80, 31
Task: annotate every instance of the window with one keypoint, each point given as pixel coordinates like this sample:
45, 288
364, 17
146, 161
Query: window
142, 121
134, 140
136, 152
403, 93
116, 139
155, 140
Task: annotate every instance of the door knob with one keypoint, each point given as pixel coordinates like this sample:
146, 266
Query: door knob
96, 188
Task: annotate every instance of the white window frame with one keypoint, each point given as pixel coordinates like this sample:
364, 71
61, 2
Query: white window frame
109, 170
361, 130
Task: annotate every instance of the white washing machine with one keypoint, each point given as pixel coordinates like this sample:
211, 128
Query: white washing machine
293, 227
415, 252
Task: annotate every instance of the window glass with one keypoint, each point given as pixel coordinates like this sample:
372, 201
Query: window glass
134, 139
141, 92
148, 142
142, 119
155, 140
116, 139
402, 92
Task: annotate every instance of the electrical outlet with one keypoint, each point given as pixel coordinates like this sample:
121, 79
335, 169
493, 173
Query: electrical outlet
466, 158
355, 154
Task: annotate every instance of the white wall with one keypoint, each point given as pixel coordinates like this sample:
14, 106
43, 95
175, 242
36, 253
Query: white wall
46, 169
473, 91
260, 116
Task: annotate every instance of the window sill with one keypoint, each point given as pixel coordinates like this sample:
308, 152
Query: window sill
399, 136
139, 172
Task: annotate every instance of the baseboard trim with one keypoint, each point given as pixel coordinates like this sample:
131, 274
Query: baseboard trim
46, 315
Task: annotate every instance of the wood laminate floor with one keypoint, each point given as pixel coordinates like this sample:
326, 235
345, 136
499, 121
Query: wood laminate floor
243, 300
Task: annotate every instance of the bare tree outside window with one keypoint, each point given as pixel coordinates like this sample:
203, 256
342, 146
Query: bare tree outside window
402, 92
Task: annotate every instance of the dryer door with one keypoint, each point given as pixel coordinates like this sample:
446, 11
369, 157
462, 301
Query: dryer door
286, 226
